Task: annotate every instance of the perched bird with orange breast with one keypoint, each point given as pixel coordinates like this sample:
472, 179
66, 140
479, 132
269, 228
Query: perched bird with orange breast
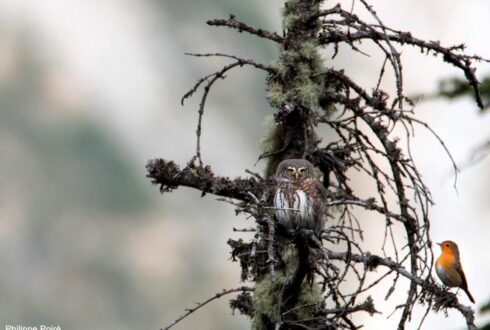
449, 269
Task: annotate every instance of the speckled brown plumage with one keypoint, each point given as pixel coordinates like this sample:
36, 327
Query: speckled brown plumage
299, 197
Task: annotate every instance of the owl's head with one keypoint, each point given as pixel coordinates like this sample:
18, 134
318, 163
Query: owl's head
295, 169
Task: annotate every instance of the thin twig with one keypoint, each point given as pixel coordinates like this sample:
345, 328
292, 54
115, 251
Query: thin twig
240, 26
189, 311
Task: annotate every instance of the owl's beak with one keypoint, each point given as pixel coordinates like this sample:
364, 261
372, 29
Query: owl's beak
296, 175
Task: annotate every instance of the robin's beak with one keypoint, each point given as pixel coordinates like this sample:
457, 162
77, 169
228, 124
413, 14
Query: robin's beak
438, 244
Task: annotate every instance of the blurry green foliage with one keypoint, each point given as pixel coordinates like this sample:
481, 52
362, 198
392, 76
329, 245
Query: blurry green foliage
452, 88
266, 300
484, 310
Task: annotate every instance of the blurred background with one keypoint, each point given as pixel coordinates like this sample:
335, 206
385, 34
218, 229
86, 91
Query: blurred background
90, 91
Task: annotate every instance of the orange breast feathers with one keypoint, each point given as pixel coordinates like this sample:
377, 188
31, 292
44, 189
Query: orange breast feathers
446, 259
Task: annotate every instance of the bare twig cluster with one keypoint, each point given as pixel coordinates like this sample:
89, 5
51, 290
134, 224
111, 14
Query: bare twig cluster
308, 292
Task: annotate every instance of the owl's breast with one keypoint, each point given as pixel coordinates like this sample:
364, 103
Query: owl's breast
294, 208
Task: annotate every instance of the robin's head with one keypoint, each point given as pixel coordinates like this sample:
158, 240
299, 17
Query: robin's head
449, 247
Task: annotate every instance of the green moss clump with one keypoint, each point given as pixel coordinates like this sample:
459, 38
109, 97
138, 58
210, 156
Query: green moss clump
268, 293
276, 95
290, 56
279, 69
308, 94
290, 21
309, 49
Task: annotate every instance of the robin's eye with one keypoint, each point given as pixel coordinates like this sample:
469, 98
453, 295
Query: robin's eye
447, 245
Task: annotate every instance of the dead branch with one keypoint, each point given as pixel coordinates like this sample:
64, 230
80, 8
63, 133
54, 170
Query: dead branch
189, 311
240, 26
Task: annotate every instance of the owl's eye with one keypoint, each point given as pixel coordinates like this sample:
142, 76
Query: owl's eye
290, 169
301, 170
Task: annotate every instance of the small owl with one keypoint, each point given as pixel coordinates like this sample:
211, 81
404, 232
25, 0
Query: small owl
299, 197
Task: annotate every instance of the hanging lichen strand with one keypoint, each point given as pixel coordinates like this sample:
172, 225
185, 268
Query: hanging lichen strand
296, 85
294, 89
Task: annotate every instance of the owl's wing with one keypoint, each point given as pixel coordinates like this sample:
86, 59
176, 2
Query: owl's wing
320, 206
322, 192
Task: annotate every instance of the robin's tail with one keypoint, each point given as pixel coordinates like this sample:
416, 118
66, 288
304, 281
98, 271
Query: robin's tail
469, 295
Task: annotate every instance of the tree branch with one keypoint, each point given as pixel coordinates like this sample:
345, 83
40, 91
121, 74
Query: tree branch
189, 311
240, 26
447, 298
169, 176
